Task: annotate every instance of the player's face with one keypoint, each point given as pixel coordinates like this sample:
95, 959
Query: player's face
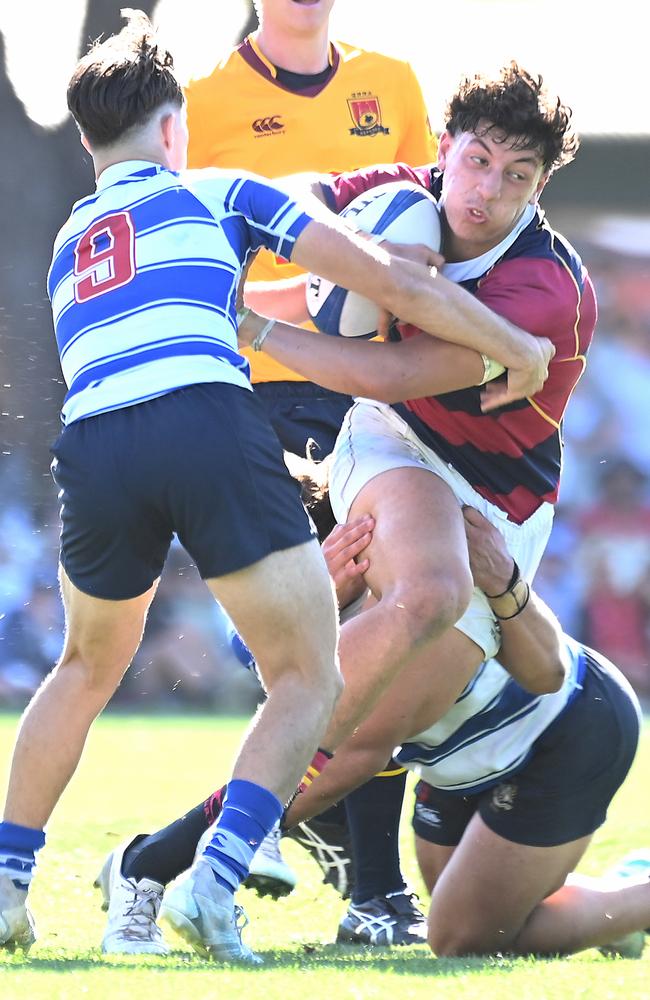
486, 186
295, 15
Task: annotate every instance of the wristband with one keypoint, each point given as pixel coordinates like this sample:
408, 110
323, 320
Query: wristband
520, 595
491, 369
513, 580
262, 335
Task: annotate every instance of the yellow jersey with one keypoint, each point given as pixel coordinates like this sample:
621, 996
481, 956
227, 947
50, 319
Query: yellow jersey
369, 110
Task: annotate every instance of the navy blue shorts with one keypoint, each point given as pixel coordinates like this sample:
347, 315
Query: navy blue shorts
201, 462
563, 791
302, 411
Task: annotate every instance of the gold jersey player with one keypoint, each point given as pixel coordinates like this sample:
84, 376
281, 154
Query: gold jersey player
288, 100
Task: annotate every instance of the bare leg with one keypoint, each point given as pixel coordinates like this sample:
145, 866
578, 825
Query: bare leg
284, 608
423, 693
491, 895
419, 573
100, 642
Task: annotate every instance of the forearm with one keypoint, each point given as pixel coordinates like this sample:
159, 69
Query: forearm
408, 290
348, 769
389, 372
532, 647
284, 300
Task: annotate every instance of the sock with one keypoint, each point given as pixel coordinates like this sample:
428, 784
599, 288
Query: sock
18, 847
318, 763
163, 855
214, 804
249, 813
374, 812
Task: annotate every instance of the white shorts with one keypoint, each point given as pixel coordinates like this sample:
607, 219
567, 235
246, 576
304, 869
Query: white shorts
375, 439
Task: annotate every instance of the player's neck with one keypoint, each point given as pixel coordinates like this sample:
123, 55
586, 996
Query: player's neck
122, 154
307, 54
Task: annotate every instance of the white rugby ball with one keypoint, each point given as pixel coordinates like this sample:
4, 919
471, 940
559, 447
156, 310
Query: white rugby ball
400, 211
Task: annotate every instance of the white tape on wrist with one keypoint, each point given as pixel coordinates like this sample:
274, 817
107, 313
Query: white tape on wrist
491, 369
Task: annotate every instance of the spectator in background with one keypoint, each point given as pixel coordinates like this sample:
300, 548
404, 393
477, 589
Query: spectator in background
614, 556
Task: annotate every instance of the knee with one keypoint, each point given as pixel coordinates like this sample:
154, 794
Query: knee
433, 604
459, 938
90, 668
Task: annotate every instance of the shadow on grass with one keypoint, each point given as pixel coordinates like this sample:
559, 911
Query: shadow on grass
416, 961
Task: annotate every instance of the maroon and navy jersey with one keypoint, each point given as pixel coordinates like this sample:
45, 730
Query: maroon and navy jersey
512, 456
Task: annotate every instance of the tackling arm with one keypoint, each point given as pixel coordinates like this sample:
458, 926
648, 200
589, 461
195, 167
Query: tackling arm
430, 302
532, 647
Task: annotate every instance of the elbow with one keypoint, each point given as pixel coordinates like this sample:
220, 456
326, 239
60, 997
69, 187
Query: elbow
549, 678
548, 684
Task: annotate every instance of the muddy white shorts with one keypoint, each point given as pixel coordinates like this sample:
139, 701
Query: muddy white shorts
375, 439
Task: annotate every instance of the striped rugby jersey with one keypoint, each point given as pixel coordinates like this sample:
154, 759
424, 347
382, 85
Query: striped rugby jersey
491, 730
144, 278
535, 279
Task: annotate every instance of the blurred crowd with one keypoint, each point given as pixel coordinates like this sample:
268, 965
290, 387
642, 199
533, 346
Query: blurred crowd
595, 574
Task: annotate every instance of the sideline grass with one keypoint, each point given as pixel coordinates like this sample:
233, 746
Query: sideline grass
139, 772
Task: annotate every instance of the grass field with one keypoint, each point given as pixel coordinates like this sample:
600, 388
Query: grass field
140, 772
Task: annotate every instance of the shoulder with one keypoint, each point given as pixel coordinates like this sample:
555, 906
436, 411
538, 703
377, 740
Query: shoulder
368, 59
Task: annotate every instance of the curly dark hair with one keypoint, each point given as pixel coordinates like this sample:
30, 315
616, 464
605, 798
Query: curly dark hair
517, 105
121, 81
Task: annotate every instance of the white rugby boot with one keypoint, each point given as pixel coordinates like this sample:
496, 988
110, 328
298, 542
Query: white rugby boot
269, 874
133, 907
16, 922
204, 914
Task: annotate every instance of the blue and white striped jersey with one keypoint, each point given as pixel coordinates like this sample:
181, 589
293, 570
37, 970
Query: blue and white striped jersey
144, 278
491, 730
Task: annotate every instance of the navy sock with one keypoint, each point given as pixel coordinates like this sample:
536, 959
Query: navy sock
163, 855
18, 847
249, 813
374, 812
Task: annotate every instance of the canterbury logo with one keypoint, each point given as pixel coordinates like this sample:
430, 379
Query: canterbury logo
273, 123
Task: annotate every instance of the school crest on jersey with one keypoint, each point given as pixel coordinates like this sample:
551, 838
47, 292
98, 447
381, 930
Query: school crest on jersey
365, 111
503, 796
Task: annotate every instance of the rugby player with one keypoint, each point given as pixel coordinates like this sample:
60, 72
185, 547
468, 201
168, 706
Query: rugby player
288, 99
513, 784
411, 452
143, 284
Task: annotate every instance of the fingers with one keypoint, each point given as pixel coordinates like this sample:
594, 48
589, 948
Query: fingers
345, 543
474, 517
384, 323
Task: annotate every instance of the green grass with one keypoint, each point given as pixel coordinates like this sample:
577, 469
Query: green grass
138, 773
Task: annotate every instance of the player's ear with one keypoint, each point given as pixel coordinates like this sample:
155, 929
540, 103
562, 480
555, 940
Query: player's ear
534, 198
167, 130
84, 142
444, 145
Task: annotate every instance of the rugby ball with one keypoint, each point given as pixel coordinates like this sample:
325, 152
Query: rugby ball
401, 212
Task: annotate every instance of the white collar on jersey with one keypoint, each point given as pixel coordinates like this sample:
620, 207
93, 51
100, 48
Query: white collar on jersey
114, 173
463, 270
